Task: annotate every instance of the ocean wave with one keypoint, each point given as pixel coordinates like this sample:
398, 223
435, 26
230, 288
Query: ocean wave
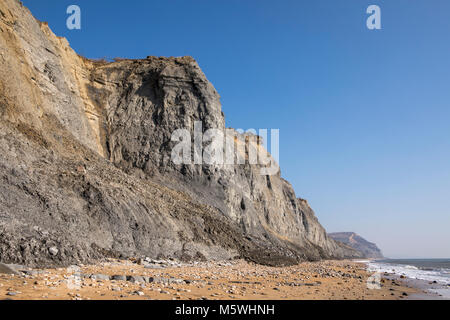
438, 275
410, 267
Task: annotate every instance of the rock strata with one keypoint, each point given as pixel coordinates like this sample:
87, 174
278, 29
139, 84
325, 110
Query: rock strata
86, 170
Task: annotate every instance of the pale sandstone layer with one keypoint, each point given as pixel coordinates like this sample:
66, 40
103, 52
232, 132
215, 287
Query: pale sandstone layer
85, 164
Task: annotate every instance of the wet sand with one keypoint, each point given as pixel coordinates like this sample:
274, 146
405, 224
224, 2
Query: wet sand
235, 280
426, 290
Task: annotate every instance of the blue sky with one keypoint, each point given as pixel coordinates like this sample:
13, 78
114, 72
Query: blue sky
363, 115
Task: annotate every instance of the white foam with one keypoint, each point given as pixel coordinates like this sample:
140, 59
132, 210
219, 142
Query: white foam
440, 276
361, 261
411, 267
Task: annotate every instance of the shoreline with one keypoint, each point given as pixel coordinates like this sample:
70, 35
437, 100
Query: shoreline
227, 280
427, 290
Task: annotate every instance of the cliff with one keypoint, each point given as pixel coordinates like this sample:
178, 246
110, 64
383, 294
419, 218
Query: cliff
366, 248
86, 164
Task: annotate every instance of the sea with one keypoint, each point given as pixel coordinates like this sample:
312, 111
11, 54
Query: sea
433, 271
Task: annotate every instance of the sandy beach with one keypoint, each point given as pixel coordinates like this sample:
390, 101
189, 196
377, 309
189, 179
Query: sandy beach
230, 280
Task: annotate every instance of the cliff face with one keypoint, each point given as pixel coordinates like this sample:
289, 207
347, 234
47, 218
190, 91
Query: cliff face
366, 248
86, 163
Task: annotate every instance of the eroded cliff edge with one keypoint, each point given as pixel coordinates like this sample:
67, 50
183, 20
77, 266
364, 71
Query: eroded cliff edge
85, 164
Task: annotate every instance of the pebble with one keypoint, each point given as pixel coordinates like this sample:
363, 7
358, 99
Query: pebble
102, 277
135, 279
153, 266
158, 280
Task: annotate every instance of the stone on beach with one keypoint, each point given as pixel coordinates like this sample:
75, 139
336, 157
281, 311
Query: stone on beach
102, 277
135, 279
119, 278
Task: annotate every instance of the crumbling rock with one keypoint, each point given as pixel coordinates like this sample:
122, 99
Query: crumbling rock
86, 173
